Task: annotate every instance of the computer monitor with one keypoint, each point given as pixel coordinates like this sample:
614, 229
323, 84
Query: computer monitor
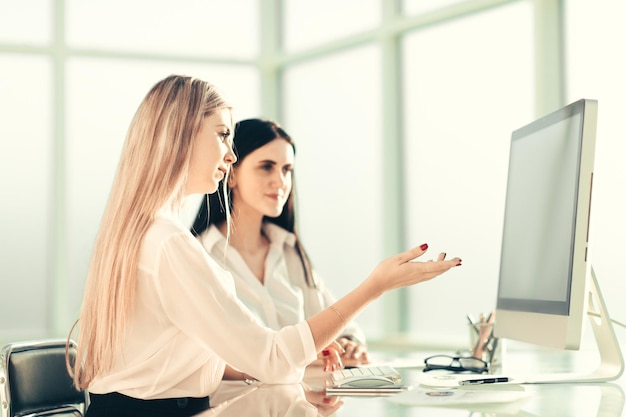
545, 282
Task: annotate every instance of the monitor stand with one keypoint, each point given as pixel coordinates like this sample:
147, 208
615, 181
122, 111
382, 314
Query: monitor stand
611, 364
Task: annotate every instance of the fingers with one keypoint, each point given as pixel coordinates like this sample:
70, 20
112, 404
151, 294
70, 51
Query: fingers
419, 251
441, 265
412, 253
403, 270
326, 405
454, 262
332, 362
355, 353
331, 357
352, 349
330, 406
415, 272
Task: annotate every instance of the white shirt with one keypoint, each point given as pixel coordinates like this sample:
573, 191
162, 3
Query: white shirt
284, 298
188, 322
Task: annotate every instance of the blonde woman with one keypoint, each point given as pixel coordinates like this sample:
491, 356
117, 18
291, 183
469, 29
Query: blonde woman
160, 318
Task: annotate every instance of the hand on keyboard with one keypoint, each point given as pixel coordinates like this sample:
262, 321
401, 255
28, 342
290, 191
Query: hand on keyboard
331, 357
355, 353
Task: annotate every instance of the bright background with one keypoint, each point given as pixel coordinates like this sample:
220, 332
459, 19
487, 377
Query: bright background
401, 111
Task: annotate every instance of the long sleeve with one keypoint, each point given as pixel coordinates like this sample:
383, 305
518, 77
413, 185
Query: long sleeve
187, 323
216, 319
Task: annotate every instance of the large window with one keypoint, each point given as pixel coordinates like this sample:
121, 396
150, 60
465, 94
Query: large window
463, 95
72, 76
27, 22
28, 189
596, 71
207, 29
332, 110
401, 111
309, 24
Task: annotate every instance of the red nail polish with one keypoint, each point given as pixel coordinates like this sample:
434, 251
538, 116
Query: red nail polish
326, 352
459, 264
424, 246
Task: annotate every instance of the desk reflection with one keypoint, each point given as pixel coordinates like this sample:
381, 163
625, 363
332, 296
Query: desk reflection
553, 400
235, 399
575, 399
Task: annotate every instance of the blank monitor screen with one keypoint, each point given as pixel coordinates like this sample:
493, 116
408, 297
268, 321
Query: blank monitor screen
541, 292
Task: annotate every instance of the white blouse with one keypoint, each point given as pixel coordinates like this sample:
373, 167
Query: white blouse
284, 298
188, 322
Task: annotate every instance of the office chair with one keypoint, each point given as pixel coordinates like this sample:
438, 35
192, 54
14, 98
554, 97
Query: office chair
34, 380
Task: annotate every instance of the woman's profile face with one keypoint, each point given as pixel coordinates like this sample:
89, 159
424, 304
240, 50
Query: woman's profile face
261, 183
212, 154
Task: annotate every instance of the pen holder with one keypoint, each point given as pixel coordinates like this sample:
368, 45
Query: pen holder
484, 345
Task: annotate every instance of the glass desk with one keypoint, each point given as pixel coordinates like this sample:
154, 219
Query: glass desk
236, 399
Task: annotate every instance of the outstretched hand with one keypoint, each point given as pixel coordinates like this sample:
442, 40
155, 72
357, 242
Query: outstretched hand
402, 270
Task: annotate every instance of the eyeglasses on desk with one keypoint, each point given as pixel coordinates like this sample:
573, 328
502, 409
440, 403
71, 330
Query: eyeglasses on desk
455, 363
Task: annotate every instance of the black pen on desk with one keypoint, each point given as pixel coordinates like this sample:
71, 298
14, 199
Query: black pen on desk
494, 380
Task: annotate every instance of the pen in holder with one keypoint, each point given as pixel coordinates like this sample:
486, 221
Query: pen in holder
483, 344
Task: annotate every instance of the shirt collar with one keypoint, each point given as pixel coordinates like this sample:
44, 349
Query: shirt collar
278, 235
211, 237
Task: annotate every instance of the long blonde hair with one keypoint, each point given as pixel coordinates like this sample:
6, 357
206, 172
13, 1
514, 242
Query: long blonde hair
151, 174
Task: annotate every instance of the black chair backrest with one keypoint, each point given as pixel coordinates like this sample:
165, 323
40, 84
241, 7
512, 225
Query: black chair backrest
37, 378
